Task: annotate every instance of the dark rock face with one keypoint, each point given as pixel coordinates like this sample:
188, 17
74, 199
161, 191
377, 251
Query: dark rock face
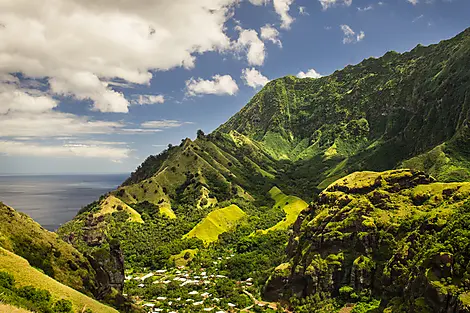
367, 235
109, 267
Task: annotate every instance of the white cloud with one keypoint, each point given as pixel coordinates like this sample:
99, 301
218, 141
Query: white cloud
364, 9
413, 2
303, 11
13, 99
259, 2
360, 36
53, 124
78, 45
310, 73
219, 85
417, 18
249, 42
326, 4
254, 78
350, 35
148, 99
163, 124
270, 33
282, 8
85, 85
17, 148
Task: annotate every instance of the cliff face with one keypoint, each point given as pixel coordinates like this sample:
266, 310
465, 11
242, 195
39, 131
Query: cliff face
397, 235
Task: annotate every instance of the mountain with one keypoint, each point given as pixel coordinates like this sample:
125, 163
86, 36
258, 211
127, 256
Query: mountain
25, 245
397, 236
241, 188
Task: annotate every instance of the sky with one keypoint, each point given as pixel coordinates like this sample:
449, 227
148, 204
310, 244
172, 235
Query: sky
95, 86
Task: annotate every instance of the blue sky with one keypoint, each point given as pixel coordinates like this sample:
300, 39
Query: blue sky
70, 91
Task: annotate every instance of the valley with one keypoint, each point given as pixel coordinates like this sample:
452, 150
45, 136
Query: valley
345, 193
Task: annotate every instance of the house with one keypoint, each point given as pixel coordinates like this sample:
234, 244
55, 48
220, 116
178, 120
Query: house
146, 276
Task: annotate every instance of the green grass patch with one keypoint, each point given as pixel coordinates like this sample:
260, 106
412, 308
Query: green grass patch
216, 223
291, 205
112, 204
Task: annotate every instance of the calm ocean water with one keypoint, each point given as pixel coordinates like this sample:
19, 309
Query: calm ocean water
55, 199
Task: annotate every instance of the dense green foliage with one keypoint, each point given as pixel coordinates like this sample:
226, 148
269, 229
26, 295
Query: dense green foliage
31, 298
397, 236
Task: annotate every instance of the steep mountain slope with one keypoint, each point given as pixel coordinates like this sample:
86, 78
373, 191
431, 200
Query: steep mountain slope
302, 134
294, 138
58, 259
398, 236
43, 249
25, 275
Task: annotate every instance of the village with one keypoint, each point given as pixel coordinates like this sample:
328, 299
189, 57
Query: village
190, 289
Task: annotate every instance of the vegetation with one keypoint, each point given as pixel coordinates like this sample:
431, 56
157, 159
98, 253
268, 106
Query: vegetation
216, 223
380, 232
23, 286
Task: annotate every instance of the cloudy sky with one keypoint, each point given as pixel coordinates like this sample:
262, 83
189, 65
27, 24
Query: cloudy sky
95, 86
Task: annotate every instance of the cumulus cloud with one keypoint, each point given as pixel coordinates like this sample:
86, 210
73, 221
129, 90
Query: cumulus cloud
350, 36
249, 42
268, 32
148, 99
326, 4
13, 99
310, 73
219, 85
163, 124
413, 2
78, 45
253, 78
281, 7
18, 148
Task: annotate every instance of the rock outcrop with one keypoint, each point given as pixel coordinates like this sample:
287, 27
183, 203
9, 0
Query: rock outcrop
393, 235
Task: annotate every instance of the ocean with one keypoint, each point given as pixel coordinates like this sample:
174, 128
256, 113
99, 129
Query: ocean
52, 200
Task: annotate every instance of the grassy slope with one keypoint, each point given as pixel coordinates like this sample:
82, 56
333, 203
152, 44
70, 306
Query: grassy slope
43, 249
25, 275
292, 205
111, 204
5, 308
216, 223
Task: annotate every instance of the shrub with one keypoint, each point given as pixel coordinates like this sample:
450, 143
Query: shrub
6, 280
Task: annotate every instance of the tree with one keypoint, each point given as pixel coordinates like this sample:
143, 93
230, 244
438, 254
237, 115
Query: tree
200, 134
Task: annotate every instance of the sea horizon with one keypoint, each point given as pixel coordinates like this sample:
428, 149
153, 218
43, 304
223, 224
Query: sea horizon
53, 199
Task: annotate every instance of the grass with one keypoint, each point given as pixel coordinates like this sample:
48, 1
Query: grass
216, 223
26, 275
179, 258
292, 205
111, 205
5, 308
43, 249
165, 209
